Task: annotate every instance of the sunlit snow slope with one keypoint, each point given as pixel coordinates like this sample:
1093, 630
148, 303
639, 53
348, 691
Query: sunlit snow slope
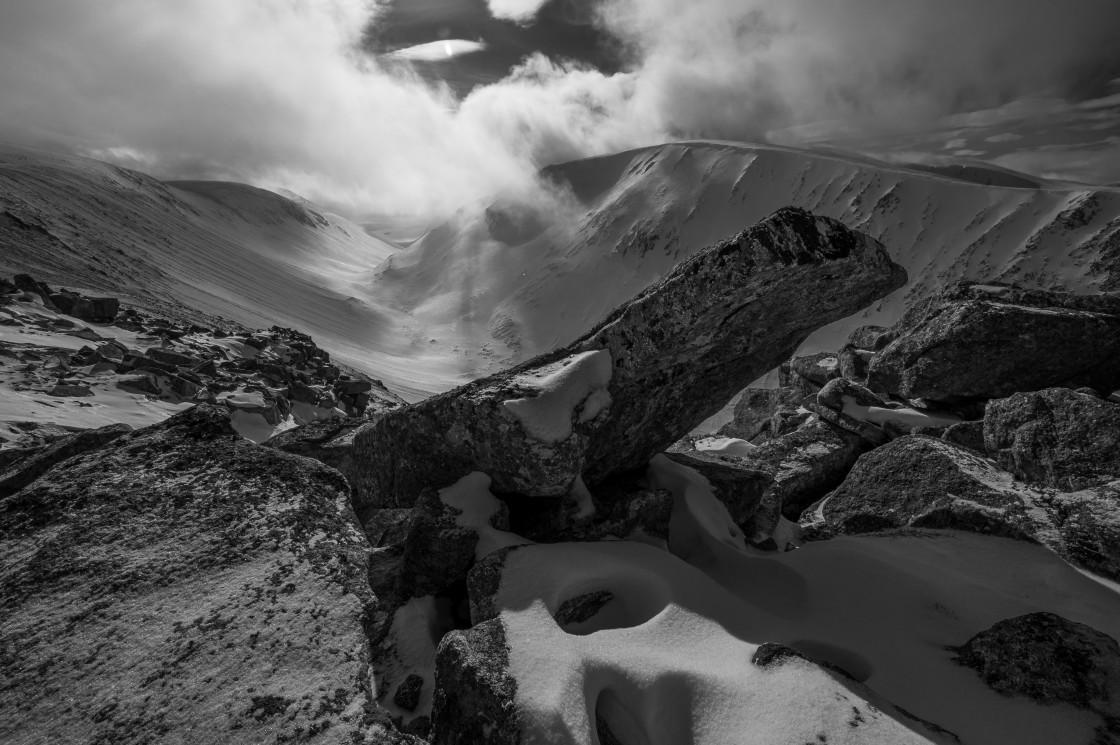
500, 278
497, 284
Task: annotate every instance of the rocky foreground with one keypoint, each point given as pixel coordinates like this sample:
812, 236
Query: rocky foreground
517, 561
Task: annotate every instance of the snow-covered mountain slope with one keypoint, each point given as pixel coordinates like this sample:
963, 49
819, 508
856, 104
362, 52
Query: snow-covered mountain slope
503, 281
219, 248
507, 278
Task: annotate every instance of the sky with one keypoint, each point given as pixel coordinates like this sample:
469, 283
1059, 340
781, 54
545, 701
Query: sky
423, 106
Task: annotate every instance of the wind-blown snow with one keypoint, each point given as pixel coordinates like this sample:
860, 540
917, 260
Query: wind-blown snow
667, 659
578, 382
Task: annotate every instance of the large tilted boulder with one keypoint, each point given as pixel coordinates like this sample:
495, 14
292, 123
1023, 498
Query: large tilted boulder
646, 375
1051, 660
1058, 437
922, 482
182, 584
974, 342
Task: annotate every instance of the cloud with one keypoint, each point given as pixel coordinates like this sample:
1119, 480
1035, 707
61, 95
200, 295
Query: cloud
277, 93
520, 11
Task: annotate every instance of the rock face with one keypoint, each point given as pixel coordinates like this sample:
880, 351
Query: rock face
328, 441
1058, 437
809, 462
645, 376
919, 481
474, 691
26, 470
976, 342
1051, 660
180, 579
746, 490
760, 413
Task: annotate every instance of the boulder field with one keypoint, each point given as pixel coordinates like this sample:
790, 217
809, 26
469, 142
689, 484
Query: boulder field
449, 571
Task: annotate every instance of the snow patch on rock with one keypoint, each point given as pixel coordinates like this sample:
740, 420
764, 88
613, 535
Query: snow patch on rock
576, 382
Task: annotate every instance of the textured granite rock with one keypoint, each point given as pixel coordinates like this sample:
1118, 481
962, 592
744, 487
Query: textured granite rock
24, 471
646, 375
1051, 660
1058, 437
980, 341
183, 584
475, 694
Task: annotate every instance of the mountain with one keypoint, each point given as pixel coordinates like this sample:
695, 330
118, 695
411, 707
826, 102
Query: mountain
534, 286
500, 282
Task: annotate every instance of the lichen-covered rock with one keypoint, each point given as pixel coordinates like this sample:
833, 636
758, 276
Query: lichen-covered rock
967, 434
808, 463
980, 341
837, 402
920, 481
475, 694
1051, 660
809, 373
645, 376
24, 471
181, 583
755, 412
1062, 438
328, 441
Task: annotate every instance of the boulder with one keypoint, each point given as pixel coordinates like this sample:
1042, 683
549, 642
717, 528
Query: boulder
183, 584
1058, 437
841, 402
475, 694
97, 309
442, 543
1051, 660
761, 412
809, 373
140, 384
745, 487
328, 441
919, 481
649, 373
923, 482
967, 434
808, 463
66, 390
24, 471
975, 342
171, 357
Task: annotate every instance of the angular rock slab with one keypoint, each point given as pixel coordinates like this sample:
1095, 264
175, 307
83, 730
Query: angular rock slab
918, 481
975, 342
921, 482
646, 375
182, 584
1058, 437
